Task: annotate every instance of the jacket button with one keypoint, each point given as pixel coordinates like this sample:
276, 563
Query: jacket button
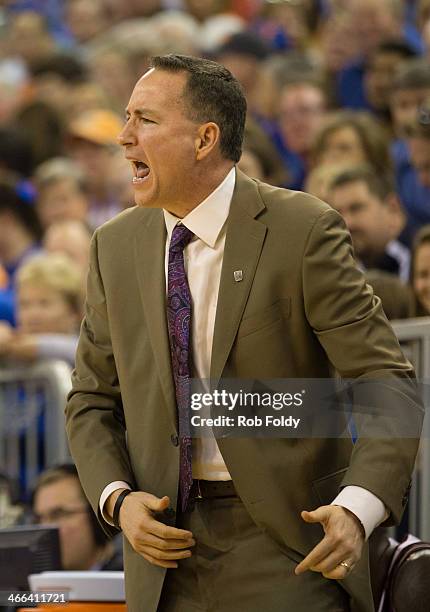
174, 440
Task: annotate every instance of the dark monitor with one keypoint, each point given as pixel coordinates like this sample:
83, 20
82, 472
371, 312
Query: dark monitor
27, 550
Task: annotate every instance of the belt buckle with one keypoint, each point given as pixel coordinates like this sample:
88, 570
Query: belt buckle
199, 492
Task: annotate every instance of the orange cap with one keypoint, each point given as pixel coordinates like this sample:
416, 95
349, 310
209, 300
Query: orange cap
99, 126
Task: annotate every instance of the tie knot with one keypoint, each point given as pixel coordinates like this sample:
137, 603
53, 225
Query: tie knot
181, 236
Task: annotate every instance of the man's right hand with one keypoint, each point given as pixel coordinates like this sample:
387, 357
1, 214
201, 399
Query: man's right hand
158, 543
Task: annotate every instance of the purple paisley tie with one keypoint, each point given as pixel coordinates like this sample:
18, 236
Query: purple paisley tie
179, 324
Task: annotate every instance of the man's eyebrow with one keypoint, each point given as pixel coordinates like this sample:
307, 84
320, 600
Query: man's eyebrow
141, 112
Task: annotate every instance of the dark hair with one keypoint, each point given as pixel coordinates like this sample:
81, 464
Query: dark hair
412, 75
246, 44
44, 129
61, 472
13, 202
379, 185
397, 46
16, 154
66, 66
211, 94
371, 133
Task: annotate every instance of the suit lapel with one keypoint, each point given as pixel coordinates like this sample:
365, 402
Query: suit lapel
244, 241
149, 251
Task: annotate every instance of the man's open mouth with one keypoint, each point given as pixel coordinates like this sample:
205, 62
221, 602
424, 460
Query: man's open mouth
141, 171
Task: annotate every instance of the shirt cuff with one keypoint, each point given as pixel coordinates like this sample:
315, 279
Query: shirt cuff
368, 508
110, 488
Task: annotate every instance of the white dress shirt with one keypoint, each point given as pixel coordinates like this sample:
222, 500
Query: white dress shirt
203, 260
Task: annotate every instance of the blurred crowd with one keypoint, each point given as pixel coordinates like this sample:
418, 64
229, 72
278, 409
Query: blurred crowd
338, 95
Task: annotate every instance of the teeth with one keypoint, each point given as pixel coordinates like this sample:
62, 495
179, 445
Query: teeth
141, 171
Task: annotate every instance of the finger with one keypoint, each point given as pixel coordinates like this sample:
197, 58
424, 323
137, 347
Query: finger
165, 532
166, 555
320, 515
156, 504
151, 540
317, 554
338, 573
331, 562
168, 564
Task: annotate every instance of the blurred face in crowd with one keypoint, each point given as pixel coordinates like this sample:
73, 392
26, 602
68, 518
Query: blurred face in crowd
366, 216
28, 36
113, 72
320, 178
244, 67
53, 90
71, 238
337, 46
421, 275
86, 19
291, 18
43, 310
94, 160
61, 200
301, 112
83, 97
404, 105
162, 143
15, 238
372, 22
343, 145
61, 503
379, 77
264, 99
420, 157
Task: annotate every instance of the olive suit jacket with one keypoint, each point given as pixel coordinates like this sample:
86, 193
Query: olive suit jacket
301, 310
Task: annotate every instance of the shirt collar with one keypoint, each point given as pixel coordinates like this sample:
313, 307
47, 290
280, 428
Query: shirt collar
208, 218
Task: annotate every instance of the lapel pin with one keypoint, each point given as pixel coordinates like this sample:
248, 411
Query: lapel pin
238, 275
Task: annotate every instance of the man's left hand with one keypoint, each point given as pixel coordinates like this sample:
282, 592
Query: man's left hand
342, 543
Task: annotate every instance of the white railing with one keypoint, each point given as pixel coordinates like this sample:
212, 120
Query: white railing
32, 431
32, 402
414, 336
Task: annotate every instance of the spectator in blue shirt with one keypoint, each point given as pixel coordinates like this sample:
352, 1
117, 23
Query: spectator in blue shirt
19, 238
303, 105
374, 21
411, 87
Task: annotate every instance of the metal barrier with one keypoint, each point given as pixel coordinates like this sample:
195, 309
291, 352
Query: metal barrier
414, 336
32, 432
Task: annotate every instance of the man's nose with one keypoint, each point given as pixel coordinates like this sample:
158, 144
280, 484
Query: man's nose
126, 136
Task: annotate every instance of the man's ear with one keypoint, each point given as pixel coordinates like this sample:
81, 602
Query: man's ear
207, 139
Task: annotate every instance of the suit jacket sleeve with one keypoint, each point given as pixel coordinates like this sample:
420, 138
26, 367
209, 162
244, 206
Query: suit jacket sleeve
94, 414
353, 330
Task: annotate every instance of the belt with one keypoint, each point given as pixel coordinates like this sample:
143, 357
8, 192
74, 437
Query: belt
202, 489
